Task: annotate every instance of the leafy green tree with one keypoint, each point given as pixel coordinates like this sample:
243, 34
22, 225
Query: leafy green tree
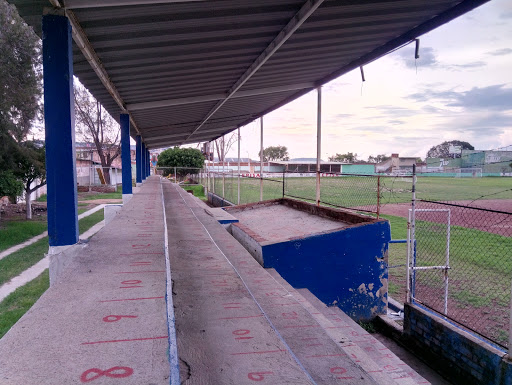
442, 150
344, 158
31, 168
10, 185
20, 74
20, 95
378, 158
186, 161
275, 153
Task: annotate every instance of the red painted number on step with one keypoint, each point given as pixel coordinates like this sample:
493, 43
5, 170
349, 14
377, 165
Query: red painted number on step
292, 315
339, 371
273, 294
115, 318
242, 334
141, 246
114, 372
258, 376
132, 283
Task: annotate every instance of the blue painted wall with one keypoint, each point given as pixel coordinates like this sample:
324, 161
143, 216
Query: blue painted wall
347, 268
465, 358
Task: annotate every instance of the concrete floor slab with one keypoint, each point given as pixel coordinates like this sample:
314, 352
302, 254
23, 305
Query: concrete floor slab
106, 318
274, 223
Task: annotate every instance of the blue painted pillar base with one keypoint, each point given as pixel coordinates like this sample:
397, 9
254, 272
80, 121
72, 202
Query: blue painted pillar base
59, 119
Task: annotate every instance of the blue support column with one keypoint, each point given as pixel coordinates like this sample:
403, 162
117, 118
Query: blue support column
149, 162
138, 160
126, 160
59, 118
143, 156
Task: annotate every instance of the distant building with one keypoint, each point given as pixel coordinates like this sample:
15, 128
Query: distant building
396, 165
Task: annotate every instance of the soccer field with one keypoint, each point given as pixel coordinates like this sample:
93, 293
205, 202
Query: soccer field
362, 191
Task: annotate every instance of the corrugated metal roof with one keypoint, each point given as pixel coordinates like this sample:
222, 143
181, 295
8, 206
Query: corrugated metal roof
172, 63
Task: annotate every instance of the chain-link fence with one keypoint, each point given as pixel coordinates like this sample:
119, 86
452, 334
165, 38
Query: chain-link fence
364, 193
461, 252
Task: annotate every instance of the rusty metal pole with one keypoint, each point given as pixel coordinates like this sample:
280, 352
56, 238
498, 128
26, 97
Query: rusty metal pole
318, 142
510, 331
378, 196
238, 201
261, 160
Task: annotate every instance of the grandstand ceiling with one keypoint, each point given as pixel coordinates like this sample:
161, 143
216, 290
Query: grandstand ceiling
191, 71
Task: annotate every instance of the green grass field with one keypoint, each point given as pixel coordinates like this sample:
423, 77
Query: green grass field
197, 189
16, 232
20, 301
354, 191
480, 273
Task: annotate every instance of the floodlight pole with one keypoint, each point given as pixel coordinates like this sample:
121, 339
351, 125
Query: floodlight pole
318, 142
261, 160
238, 200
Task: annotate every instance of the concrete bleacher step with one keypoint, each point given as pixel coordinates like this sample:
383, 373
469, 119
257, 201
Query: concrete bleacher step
232, 312
368, 352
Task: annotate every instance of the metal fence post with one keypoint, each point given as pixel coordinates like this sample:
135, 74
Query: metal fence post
413, 233
261, 160
378, 196
284, 174
510, 328
223, 185
175, 176
238, 200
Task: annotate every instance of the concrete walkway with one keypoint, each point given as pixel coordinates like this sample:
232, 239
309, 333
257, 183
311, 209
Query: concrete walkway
110, 317
105, 320
32, 240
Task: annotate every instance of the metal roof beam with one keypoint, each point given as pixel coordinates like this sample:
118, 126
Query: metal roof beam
85, 46
169, 136
208, 98
309, 7
81, 4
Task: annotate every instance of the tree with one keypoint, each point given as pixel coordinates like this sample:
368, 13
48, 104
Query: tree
95, 125
31, 168
275, 153
223, 145
344, 158
20, 74
442, 150
186, 161
378, 159
9, 155
20, 93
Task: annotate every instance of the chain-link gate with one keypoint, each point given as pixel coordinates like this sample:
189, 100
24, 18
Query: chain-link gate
428, 257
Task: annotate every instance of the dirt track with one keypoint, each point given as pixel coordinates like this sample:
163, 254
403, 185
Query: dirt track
471, 217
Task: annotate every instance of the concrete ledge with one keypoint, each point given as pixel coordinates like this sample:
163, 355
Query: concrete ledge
221, 215
126, 198
462, 356
110, 212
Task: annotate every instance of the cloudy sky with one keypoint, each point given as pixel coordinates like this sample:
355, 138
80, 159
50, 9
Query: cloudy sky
460, 88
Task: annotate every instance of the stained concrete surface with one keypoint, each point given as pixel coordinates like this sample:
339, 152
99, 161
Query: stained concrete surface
277, 222
234, 320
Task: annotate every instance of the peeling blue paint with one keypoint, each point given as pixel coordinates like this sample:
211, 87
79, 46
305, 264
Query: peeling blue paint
346, 268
